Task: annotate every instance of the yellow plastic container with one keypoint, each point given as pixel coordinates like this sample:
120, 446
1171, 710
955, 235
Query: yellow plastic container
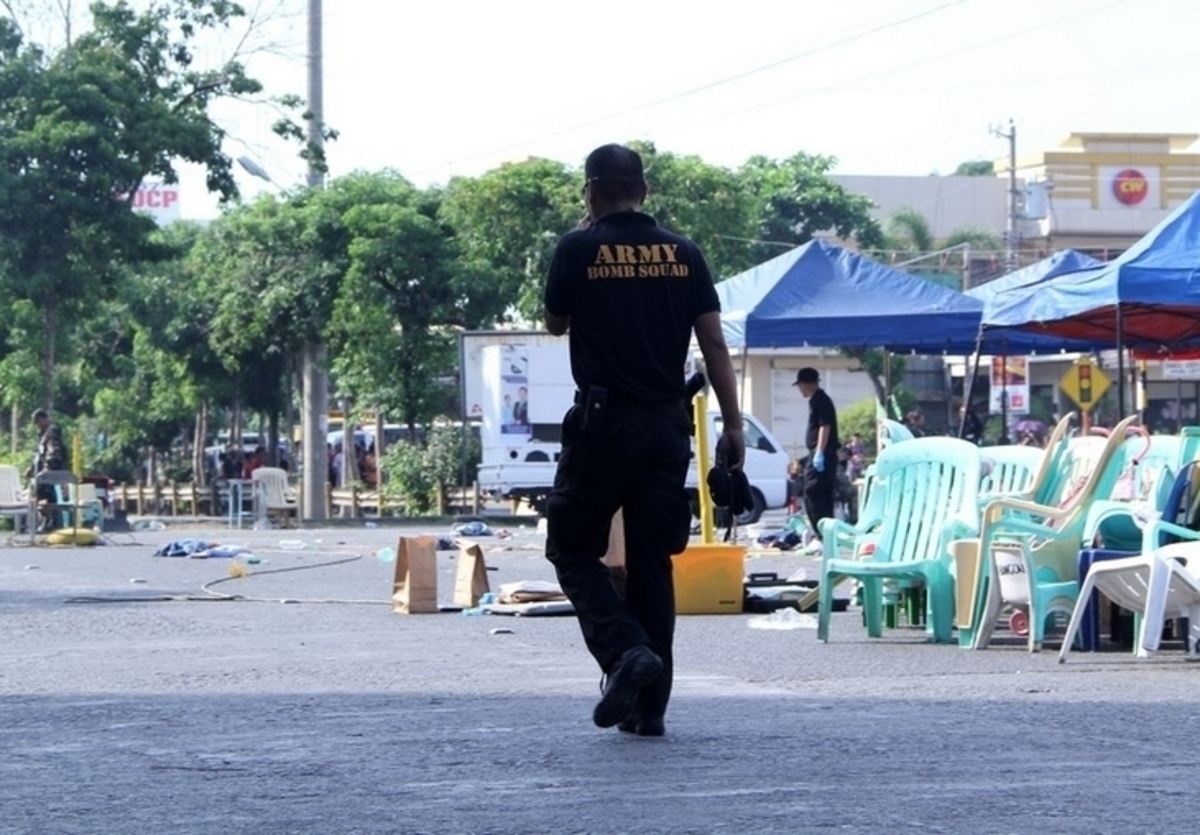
709, 580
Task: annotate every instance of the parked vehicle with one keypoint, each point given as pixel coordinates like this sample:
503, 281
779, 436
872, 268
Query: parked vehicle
525, 389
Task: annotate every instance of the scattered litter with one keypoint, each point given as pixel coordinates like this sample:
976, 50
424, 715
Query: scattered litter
183, 548
291, 545
784, 540
32, 567
386, 554
500, 630
783, 619
199, 549
530, 591
253, 560
148, 525
236, 569
503, 533
472, 528
445, 543
137, 580
286, 600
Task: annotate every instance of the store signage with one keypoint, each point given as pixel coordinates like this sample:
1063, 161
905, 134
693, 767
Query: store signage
1130, 186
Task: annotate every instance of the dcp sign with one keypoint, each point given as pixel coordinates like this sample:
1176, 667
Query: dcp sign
157, 199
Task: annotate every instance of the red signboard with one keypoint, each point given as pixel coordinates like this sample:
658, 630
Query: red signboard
1130, 186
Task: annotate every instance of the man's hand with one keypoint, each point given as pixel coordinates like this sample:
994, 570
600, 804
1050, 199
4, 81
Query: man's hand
731, 448
819, 461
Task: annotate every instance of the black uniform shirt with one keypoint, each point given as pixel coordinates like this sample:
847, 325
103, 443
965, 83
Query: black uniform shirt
821, 413
632, 290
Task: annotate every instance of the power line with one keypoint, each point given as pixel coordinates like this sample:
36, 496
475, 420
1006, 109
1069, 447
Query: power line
714, 84
920, 62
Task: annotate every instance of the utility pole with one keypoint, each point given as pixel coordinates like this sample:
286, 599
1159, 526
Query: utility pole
1010, 228
313, 409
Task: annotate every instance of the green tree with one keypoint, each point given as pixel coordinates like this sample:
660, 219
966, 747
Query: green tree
81, 128
709, 204
908, 233
507, 222
405, 263
268, 274
975, 168
796, 199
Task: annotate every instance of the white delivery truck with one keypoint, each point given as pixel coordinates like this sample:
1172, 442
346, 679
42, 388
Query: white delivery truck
519, 386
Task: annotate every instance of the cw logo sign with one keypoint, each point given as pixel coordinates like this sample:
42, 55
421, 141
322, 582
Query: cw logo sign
1130, 187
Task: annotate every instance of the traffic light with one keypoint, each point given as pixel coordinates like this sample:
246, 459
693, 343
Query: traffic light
1085, 384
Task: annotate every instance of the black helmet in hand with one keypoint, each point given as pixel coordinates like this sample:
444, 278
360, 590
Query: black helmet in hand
730, 489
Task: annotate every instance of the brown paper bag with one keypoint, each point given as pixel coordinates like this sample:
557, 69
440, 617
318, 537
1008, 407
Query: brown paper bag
414, 589
471, 581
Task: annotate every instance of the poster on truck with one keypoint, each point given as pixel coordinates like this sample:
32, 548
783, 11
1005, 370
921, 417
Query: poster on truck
514, 408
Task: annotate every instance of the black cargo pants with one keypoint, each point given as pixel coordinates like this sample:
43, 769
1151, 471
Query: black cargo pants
819, 490
633, 457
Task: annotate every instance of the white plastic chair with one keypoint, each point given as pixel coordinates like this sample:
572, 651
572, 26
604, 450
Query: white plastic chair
277, 497
14, 500
1160, 585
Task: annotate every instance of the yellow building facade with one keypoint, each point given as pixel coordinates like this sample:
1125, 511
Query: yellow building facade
1105, 190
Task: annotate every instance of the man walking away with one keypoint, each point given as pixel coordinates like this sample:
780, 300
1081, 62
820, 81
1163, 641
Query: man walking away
631, 293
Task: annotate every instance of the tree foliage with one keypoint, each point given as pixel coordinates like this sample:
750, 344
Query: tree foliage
506, 223
82, 127
975, 168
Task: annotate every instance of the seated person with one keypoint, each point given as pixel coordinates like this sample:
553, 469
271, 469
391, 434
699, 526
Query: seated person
257, 459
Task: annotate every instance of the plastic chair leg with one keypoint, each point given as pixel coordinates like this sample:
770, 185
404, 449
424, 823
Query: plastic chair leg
873, 605
1150, 633
824, 606
1079, 616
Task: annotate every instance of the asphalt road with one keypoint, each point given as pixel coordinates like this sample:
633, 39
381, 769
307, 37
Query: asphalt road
124, 712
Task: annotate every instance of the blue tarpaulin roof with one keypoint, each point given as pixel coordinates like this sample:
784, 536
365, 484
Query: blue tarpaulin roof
1149, 296
822, 295
1063, 261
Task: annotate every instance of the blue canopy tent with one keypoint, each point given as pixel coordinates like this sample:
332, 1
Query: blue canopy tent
1149, 297
822, 295
1063, 261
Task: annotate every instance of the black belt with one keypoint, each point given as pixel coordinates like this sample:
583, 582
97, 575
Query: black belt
618, 399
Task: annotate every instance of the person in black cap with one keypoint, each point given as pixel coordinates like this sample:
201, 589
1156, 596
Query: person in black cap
820, 472
631, 293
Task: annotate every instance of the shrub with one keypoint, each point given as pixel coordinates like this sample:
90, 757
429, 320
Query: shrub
415, 472
858, 417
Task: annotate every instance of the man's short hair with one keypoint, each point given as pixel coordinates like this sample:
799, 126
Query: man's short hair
38, 414
615, 172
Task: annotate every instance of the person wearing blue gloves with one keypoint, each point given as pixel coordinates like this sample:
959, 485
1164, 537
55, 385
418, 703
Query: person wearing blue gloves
820, 473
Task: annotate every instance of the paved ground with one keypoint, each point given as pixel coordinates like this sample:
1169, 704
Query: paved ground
199, 715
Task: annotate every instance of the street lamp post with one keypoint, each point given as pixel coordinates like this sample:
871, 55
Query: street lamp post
315, 379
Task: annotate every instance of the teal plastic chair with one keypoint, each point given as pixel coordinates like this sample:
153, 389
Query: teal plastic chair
1027, 554
892, 432
927, 493
1008, 470
1142, 486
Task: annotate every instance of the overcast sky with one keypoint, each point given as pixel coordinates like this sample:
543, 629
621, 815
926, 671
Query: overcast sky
436, 90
